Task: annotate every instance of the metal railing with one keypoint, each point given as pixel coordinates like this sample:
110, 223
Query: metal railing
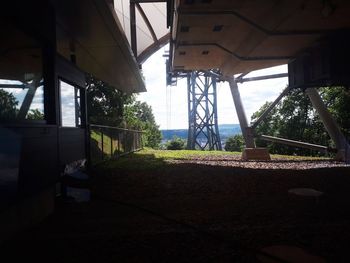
108, 142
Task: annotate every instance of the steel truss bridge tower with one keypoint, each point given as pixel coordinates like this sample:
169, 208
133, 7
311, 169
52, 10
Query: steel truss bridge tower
203, 131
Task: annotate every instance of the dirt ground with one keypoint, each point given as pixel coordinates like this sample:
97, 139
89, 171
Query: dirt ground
197, 211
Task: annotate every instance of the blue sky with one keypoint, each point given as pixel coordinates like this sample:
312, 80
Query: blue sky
19, 94
67, 97
169, 104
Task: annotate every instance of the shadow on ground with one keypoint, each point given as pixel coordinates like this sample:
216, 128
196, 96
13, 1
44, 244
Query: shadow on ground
156, 211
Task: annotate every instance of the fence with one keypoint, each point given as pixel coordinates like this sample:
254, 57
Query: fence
110, 143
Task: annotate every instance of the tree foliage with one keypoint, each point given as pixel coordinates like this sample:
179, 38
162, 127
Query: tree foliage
35, 114
176, 144
105, 104
111, 107
9, 111
8, 105
295, 118
138, 115
234, 143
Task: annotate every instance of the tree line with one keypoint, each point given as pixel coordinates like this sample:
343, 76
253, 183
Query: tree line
106, 105
109, 106
294, 118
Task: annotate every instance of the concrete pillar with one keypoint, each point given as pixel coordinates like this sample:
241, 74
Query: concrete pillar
330, 125
246, 130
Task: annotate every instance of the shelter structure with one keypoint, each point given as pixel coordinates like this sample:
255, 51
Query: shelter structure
236, 37
47, 47
144, 23
203, 130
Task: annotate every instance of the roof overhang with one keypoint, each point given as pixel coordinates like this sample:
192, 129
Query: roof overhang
145, 25
90, 30
238, 36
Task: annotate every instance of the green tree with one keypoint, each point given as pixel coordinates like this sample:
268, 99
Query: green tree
105, 104
35, 115
268, 127
176, 143
8, 104
234, 143
139, 116
295, 118
337, 100
111, 107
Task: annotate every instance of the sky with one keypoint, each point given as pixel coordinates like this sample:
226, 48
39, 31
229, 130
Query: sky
19, 94
67, 98
169, 104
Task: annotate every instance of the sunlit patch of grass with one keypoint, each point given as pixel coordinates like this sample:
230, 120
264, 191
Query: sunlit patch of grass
184, 154
149, 159
96, 135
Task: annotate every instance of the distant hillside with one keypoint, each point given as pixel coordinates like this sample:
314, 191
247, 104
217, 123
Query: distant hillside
225, 130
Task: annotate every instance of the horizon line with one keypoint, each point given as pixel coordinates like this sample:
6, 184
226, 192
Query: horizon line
187, 128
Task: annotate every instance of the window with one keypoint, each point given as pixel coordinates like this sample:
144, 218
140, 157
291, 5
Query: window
70, 105
21, 77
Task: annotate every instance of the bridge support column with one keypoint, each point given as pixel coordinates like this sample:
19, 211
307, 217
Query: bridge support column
203, 131
250, 152
330, 124
246, 130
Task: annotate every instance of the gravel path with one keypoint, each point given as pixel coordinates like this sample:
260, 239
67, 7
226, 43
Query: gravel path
215, 209
275, 163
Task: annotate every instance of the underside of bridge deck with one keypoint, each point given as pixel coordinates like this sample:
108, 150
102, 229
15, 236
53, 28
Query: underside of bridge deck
241, 36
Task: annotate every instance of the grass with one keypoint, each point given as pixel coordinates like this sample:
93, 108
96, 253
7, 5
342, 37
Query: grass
150, 159
184, 154
95, 135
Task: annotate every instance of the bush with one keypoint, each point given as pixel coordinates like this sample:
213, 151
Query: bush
176, 144
234, 143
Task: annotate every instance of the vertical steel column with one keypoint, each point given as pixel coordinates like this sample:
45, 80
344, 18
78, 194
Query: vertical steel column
77, 106
133, 28
207, 114
246, 130
330, 125
190, 103
215, 115
203, 132
28, 99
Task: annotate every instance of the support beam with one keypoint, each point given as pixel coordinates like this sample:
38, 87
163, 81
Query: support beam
191, 105
133, 28
310, 146
273, 76
330, 125
203, 131
270, 108
241, 76
148, 24
246, 130
215, 117
13, 86
28, 99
